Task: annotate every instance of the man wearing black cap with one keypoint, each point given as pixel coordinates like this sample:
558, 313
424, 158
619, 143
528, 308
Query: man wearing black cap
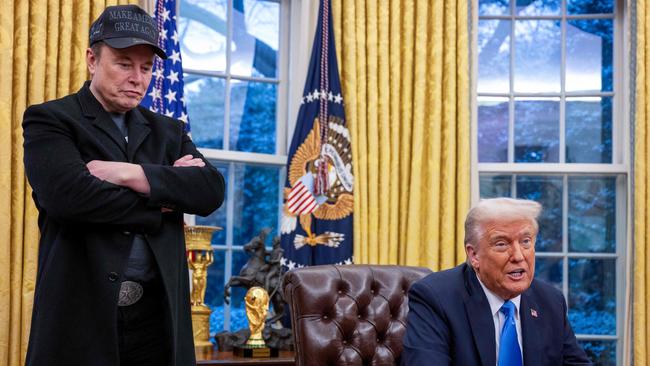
111, 181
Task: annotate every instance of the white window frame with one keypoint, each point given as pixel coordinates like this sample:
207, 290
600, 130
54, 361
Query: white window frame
621, 153
231, 157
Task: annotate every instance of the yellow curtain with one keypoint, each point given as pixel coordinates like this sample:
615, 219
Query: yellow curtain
641, 279
42, 57
405, 76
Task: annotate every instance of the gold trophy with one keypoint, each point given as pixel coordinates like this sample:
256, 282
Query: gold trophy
199, 257
257, 306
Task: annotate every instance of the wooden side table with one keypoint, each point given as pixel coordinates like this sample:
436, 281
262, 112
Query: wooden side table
210, 356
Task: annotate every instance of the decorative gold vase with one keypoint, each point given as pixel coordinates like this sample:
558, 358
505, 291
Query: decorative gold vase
199, 257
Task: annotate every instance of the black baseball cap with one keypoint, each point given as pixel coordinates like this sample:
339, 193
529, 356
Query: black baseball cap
124, 26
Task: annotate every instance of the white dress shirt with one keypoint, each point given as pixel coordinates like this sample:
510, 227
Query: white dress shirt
499, 318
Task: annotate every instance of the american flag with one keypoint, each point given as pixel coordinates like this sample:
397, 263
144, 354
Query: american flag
165, 94
318, 208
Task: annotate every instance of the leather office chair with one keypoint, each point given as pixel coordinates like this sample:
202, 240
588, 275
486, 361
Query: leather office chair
349, 315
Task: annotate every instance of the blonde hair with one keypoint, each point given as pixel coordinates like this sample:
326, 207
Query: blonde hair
499, 209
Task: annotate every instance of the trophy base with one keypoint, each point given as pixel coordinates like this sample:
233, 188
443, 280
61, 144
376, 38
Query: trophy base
202, 344
255, 352
201, 326
200, 309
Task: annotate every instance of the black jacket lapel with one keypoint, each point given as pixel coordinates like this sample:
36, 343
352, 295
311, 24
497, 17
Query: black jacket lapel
94, 111
106, 124
138, 131
530, 317
480, 318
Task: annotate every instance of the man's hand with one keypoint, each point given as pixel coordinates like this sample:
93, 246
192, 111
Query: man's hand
189, 160
123, 174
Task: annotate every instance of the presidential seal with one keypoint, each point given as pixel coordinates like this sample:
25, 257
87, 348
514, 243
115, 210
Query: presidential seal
302, 203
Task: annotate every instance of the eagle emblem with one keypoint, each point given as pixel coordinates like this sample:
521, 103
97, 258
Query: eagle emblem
337, 203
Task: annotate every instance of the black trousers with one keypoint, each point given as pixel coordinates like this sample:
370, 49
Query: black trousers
143, 330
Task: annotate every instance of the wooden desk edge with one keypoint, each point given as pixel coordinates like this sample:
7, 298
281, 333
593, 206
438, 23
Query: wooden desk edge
213, 357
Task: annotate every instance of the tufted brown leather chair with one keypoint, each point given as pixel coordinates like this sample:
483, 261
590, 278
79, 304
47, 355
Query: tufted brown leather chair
349, 315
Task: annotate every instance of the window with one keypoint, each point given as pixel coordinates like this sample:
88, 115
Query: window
234, 59
550, 126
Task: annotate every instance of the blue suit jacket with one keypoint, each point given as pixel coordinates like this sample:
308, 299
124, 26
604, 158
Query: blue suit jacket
450, 323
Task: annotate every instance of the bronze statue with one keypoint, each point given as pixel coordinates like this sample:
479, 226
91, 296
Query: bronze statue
263, 269
273, 267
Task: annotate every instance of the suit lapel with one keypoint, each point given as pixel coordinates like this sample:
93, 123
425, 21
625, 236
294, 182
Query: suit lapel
530, 315
99, 118
138, 131
104, 123
480, 318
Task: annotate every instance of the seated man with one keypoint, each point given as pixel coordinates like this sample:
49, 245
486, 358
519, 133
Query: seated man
490, 311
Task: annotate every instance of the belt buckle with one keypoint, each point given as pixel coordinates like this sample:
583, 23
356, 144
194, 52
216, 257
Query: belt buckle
130, 293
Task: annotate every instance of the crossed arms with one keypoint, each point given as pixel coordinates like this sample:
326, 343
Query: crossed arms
71, 189
132, 175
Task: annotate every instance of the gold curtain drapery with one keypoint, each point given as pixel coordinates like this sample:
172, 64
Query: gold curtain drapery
641, 275
405, 77
42, 57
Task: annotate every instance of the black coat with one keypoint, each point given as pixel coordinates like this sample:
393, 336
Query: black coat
450, 323
87, 225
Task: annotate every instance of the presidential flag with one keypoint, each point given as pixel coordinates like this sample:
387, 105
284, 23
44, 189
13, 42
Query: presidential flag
316, 223
165, 93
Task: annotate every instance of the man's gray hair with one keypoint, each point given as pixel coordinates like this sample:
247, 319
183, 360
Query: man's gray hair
499, 209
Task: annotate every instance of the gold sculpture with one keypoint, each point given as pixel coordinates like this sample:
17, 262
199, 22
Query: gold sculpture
257, 306
199, 277
199, 257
